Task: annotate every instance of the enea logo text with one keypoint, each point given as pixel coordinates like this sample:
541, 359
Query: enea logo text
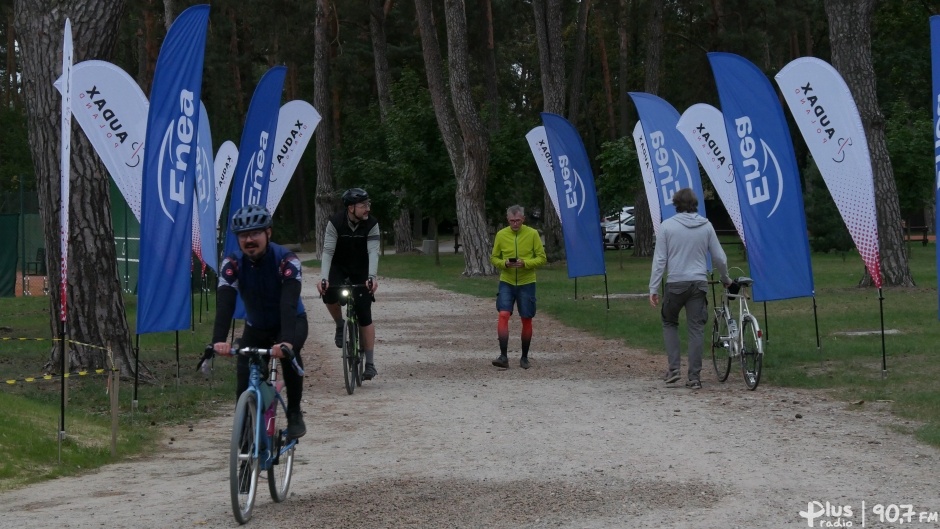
574, 187
758, 173
203, 178
174, 157
254, 174
936, 145
671, 169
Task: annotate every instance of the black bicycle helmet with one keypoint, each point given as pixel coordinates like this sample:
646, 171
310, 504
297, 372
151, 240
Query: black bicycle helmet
251, 217
354, 195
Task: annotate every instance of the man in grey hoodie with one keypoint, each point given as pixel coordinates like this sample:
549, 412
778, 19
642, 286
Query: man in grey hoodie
682, 247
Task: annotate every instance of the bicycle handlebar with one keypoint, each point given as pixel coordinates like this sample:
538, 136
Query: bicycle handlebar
250, 351
741, 281
367, 284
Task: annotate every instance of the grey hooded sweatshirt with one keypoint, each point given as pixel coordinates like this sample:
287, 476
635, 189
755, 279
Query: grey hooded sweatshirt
682, 245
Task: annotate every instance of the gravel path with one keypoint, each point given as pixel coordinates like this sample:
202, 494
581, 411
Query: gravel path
587, 438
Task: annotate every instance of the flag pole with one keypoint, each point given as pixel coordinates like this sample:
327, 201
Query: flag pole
881, 310
177, 362
136, 370
64, 200
816, 321
62, 365
606, 291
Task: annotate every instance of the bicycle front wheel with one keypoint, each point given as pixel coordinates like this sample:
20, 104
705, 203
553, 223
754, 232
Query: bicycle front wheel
752, 354
721, 354
282, 468
360, 360
350, 357
243, 464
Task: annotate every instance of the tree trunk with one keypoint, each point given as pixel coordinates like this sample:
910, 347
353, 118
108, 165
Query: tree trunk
654, 49
492, 90
10, 84
169, 13
416, 224
850, 35
95, 306
808, 35
643, 243
237, 89
378, 11
643, 228
468, 145
471, 181
380, 55
577, 64
325, 199
548, 36
608, 88
298, 182
150, 48
404, 243
623, 67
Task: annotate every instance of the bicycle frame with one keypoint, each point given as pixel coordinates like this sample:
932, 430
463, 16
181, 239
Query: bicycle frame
346, 298
261, 434
741, 337
735, 336
266, 448
353, 365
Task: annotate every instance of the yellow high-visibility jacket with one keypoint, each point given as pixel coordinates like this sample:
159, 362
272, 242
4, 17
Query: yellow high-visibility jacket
525, 244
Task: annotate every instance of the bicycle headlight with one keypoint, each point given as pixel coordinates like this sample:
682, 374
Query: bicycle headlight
345, 293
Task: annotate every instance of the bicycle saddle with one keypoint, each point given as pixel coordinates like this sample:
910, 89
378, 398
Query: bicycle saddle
744, 281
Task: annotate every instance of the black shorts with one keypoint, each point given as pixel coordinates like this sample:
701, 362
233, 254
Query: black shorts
362, 298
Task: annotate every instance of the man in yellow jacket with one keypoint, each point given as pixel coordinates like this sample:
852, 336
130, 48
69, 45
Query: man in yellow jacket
517, 252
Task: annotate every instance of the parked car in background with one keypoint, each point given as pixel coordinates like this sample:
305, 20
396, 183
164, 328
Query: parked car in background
623, 214
619, 230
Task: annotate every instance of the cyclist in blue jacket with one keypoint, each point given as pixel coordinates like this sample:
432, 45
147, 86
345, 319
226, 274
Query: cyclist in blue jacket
267, 276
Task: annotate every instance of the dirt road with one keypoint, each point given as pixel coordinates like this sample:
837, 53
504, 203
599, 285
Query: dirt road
587, 438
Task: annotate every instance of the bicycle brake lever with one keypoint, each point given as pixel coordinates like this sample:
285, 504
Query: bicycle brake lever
206, 356
299, 370
289, 354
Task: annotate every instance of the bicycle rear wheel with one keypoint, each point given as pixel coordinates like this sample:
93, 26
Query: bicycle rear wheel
752, 354
282, 469
721, 354
243, 464
350, 369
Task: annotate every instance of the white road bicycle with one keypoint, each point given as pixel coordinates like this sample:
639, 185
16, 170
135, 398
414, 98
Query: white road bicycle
739, 337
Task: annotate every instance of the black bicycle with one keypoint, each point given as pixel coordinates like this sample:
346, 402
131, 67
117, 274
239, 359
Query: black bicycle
354, 364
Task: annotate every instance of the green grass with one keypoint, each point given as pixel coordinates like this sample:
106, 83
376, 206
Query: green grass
29, 448
850, 367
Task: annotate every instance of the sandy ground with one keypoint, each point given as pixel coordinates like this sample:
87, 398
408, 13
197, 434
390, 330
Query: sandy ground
590, 437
